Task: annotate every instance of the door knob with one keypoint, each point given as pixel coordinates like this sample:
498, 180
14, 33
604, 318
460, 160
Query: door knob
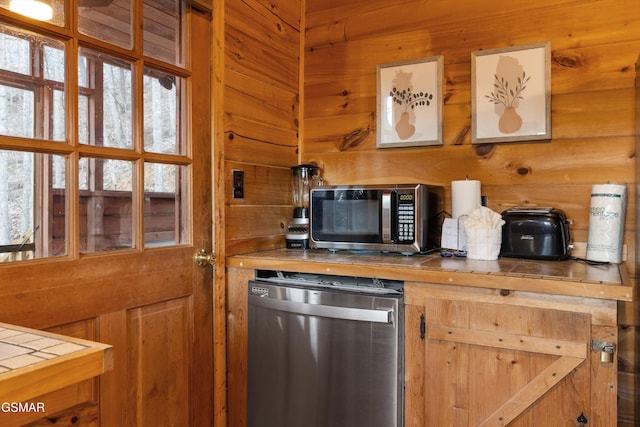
204, 258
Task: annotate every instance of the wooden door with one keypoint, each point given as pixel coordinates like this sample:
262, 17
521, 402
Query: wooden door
153, 304
483, 360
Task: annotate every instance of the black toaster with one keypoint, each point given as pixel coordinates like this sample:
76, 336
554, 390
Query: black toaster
536, 233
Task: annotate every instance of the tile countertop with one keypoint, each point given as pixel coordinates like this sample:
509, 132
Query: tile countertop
34, 362
568, 277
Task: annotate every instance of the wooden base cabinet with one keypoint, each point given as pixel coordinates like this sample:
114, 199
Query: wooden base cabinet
492, 357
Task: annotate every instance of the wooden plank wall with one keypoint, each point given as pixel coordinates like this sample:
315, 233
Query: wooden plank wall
595, 45
261, 118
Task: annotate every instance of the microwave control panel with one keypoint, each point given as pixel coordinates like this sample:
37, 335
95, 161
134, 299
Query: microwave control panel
406, 216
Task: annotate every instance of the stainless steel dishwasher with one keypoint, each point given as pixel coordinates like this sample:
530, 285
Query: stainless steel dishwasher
325, 351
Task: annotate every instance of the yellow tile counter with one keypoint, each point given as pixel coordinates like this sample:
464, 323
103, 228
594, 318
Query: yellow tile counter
34, 362
571, 278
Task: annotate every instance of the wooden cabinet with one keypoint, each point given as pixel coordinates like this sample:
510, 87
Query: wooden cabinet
237, 327
497, 343
491, 357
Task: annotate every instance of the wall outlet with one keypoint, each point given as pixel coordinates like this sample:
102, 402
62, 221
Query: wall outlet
238, 184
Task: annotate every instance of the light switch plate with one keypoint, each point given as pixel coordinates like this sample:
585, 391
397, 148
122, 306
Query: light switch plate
238, 184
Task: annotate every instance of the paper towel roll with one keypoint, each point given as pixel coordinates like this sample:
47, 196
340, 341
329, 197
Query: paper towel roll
465, 197
606, 223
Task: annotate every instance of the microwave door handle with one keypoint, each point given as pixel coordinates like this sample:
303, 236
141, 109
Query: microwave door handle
386, 216
385, 316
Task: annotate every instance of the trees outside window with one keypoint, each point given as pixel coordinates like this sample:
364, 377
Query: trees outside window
92, 138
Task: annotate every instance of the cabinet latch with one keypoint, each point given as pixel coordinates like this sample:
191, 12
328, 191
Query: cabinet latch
606, 349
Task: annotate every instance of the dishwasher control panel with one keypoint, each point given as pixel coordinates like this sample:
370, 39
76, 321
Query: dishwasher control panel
259, 291
345, 283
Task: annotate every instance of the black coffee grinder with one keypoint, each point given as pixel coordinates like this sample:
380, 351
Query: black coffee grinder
303, 177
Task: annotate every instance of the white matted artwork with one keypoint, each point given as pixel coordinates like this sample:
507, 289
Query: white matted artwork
409, 96
511, 94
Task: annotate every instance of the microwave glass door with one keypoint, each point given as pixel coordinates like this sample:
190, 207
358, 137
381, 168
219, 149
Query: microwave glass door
351, 215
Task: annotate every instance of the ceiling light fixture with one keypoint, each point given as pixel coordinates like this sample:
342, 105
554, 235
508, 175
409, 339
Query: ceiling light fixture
35, 9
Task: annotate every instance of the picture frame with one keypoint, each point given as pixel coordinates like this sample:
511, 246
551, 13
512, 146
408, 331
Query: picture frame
511, 94
409, 103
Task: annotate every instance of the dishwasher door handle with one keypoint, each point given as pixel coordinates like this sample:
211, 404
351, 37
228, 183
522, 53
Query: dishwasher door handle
330, 311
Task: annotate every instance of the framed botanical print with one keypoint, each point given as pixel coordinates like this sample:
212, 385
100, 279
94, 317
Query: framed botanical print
511, 94
409, 97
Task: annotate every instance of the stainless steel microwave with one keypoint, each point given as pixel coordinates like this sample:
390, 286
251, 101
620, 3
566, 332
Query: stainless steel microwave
403, 218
